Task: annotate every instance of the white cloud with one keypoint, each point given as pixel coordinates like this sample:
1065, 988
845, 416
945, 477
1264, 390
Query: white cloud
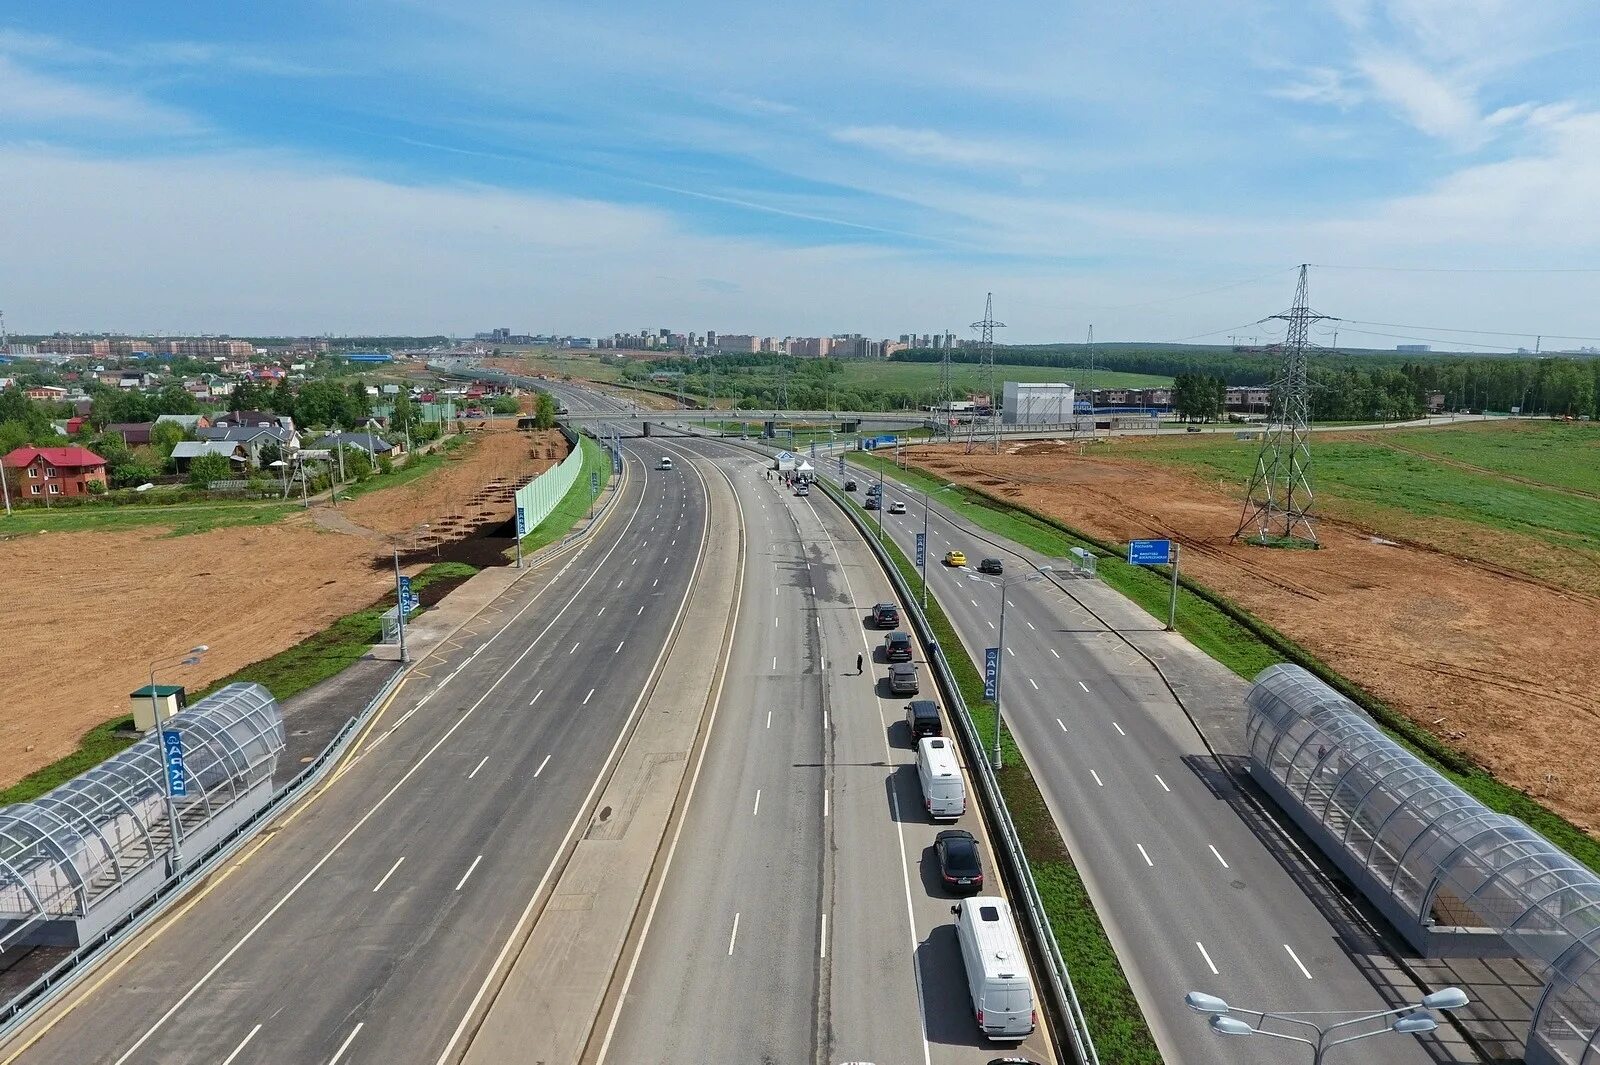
1320, 85
31, 98
1429, 102
931, 145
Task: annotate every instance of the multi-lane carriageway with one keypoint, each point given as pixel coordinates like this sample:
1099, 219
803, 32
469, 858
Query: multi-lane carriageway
798, 918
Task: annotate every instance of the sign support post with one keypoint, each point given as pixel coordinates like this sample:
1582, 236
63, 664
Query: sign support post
1159, 553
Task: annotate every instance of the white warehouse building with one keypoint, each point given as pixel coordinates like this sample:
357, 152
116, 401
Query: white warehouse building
1037, 403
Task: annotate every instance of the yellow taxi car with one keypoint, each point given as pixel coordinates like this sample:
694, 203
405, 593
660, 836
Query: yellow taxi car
955, 558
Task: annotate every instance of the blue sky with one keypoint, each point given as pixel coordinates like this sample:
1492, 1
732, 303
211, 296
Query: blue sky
1153, 168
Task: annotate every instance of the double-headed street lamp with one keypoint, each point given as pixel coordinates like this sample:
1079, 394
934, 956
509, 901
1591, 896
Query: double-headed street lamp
189, 658
1000, 650
1412, 1019
941, 488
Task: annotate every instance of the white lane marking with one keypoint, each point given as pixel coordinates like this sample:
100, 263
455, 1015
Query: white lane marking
824, 938
1218, 855
574, 647
774, 621
1028, 623
351, 1038
542, 764
664, 559
1118, 728
769, 718
1209, 963
1097, 779
385, 878
1010, 652
824, 802
618, 651
635, 562
757, 809
1297, 960
734, 936
1144, 855
1163, 783
655, 582
1082, 685
477, 767
636, 613
229, 1059
619, 585
774, 662
1062, 724
974, 602
602, 611
991, 624
536, 697
586, 698
1053, 651
468, 873
1035, 686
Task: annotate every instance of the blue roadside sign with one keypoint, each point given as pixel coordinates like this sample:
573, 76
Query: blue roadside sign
1149, 552
991, 671
522, 522
408, 598
922, 550
172, 746
813, 449
841, 464
594, 482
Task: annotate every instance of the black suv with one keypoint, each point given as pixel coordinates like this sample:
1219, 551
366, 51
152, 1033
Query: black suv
922, 718
897, 647
850, 486
991, 565
886, 616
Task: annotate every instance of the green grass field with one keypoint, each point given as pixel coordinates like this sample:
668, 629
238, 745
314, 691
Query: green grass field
575, 504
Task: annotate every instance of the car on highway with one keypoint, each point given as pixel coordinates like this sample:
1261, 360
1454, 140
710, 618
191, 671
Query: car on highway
944, 792
874, 489
886, 616
897, 507
903, 678
922, 718
897, 647
960, 862
664, 464
850, 485
997, 969
991, 565
871, 503
803, 490
955, 558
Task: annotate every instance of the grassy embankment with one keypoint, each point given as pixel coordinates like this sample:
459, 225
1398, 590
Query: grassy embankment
1116, 1023
575, 504
1246, 644
285, 674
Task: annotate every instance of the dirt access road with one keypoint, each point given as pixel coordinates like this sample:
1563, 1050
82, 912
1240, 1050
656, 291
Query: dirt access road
87, 612
1499, 664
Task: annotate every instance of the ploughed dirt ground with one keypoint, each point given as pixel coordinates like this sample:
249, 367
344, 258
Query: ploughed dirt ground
1498, 663
86, 613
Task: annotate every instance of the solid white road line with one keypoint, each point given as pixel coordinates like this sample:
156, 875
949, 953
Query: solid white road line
1035, 686
757, 809
536, 697
1144, 855
1118, 728
1097, 779
351, 1038
1218, 856
1297, 961
229, 1059
1062, 724
1163, 783
1082, 685
824, 802
385, 878
824, 938
734, 936
1209, 963
542, 764
586, 698
477, 767
468, 873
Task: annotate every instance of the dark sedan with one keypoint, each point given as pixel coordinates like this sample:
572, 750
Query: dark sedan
960, 864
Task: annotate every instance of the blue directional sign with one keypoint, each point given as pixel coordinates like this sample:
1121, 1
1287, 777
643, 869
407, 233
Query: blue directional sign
408, 598
172, 746
522, 521
991, 671
1149, 552
813, 449
616, 460
841, 464
594, 482
922, 550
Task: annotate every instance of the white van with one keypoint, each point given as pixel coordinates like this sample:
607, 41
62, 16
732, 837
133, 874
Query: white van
997, 970
944, 793
664, 464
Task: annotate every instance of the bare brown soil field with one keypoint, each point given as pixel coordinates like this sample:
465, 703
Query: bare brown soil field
1499, 665
87, 612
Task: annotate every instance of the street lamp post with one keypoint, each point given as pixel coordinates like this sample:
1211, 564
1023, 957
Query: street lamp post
1000, 650
192, 657
1412, 1019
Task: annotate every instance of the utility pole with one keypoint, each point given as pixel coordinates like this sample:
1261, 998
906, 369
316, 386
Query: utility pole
986, 356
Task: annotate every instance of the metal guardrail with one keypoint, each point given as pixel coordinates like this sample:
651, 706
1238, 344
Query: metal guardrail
1064, 996
40, 994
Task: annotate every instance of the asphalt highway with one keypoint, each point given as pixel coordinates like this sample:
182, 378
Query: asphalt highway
1192, 898
360, 926
800, 917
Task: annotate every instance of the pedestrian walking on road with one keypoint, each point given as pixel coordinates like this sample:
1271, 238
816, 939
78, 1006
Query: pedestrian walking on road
859, 662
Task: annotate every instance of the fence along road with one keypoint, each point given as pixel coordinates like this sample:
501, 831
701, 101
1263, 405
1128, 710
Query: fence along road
800, 918
367, 919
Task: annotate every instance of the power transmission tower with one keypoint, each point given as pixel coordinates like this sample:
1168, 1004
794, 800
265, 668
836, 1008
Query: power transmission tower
986, 359
1277, 503
944, 382
1092, 427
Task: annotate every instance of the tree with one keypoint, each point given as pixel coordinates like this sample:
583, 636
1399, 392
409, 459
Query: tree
246, 396
164, 436
505, 405
283, 399
544, 416
270, 452
173, 399
404, 417
203, 469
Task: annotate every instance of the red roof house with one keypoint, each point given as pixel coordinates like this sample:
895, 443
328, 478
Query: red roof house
43, 472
